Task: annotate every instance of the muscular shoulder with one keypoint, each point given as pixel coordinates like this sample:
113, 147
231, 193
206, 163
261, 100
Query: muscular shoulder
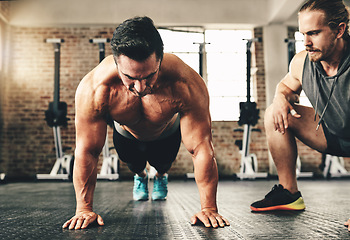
186, 82
92, 95
297, 65
181, 72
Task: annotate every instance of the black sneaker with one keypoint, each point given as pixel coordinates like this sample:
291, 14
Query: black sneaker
279, 199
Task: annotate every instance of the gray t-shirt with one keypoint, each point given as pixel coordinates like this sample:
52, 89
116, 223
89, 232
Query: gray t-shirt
330, 96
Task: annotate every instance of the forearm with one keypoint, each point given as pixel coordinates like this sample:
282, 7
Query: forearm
282, 90
206, 176
84, 180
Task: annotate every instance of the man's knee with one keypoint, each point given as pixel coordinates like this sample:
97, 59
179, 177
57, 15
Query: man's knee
270, 124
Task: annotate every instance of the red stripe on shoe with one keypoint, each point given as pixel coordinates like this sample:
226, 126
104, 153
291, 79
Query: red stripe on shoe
280, 207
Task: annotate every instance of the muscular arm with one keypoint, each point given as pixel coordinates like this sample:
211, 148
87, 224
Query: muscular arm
196, 135
290, 85
288, 92
90, 137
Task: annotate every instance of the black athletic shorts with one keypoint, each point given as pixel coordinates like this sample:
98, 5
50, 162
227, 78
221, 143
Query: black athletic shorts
160, 153
336, 146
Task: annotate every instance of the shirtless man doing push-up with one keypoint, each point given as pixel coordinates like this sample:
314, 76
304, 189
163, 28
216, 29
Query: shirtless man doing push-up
156, 101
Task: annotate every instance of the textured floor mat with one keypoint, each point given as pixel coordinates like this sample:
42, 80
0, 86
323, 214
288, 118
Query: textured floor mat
38, 210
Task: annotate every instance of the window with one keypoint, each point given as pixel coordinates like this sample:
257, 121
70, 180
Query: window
226, 69
225, 61
182, 44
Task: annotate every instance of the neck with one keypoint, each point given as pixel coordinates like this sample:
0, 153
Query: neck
331, 64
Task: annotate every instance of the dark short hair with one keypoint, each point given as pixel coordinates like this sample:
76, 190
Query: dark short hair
335, 12
137, 38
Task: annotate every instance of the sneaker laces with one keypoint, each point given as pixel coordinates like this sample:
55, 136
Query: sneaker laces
275, 189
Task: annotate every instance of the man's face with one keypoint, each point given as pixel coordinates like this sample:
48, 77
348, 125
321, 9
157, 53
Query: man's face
138, 77
319, 39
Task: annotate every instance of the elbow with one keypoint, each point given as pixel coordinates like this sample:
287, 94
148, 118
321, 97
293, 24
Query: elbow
204, 149
204, 158
81, 153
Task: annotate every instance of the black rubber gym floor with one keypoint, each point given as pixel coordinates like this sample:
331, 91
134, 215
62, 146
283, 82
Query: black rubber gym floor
38, 210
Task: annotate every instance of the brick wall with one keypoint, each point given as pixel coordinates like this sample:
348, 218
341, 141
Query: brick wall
26, 142
28, 148
5, 9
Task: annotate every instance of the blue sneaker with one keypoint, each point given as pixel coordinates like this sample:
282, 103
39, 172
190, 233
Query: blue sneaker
140, 191
160, 188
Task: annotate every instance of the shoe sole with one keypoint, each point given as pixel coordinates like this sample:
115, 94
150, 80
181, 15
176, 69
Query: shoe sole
158, 199
145, 198
142, 199
298, 205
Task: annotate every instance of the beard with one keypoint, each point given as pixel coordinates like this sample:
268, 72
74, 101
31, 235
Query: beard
316, 55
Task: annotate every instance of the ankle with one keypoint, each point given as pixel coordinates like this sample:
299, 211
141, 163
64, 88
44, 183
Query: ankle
291, 189
158, 175
142, 174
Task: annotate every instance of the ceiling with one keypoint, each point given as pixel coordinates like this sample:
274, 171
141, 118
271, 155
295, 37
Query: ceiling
205, 13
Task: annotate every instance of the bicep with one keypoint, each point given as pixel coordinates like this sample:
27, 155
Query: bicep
195, 123
90, 135
194, 131
293, 79
292, 83
90, 125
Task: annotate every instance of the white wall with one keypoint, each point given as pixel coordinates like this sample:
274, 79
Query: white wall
164, 12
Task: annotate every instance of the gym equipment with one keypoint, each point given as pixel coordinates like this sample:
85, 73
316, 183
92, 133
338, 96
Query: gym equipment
2, 177
301, 174
249, 162
201, 53
291, 48
110, 164
56, 116
333, 167
151, 172
249, 115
